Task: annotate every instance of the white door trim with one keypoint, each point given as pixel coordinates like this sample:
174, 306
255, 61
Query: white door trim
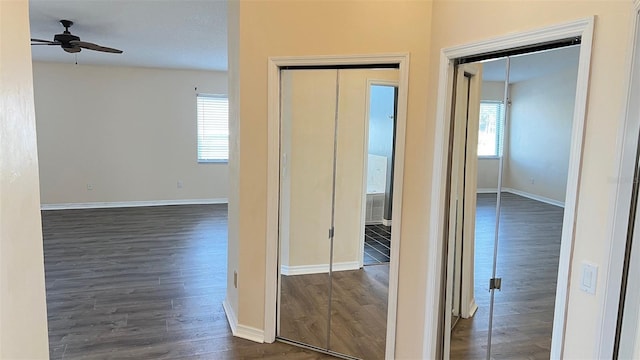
273, 178
583, 28
627, 145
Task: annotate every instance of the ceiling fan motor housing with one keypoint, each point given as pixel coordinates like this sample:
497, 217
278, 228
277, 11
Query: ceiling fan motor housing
65, 38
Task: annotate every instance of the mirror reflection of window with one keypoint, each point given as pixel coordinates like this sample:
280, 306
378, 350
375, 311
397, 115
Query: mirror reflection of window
490, 134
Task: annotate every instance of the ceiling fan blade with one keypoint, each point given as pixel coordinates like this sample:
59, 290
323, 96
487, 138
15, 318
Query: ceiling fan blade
44, 42
72, 50
92, 46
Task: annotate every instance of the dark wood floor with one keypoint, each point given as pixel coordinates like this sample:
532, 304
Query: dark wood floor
143, 283
528, 255
148, 283
358, 310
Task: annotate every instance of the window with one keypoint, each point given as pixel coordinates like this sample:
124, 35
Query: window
490, 130
213, 128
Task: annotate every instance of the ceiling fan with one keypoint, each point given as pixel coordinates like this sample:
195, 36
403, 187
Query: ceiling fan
71, 43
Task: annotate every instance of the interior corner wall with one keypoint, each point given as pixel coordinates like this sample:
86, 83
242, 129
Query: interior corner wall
541, 118
456, 22
129, 133
298, 28
23, 308
233, 209
488, 167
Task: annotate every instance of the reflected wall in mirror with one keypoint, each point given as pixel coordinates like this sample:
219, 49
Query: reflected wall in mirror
330, 298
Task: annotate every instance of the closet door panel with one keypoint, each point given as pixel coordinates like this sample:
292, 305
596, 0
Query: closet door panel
307, 148
359, 295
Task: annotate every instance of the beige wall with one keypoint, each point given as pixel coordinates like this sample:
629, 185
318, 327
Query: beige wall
233, 222
325, 28
309, 108
130, 132
540, 124
23, 311
459, 22
296, 28
308, 128
314, 28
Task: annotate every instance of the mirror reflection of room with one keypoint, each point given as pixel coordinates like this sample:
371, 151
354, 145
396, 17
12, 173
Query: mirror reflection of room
382, 108
337, 131
522, 169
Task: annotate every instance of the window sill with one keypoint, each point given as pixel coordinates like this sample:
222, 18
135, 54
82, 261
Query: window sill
213, 161
488, 157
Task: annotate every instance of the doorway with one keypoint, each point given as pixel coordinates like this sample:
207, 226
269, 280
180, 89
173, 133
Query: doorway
578, 30
275, 323
521, 129
380, 133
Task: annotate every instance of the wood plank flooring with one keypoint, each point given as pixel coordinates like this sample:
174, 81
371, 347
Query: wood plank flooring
148, 283
358, 310
528, 256
143, 283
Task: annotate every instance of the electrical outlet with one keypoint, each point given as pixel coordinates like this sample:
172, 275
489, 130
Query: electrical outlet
89, 186
180, 184
235, 279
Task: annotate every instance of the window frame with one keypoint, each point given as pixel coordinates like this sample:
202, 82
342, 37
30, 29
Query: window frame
499, 130
199, 140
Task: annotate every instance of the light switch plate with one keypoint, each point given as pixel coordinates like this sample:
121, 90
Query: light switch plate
589, 278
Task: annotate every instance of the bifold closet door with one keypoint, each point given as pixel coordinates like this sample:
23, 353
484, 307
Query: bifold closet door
308, 107
359, 294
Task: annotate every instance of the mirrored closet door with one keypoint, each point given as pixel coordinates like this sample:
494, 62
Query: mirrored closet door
509, 149
329, 299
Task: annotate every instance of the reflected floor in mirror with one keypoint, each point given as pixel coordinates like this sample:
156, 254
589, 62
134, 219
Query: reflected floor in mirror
358, 309
528, 256
143, 283
377, 244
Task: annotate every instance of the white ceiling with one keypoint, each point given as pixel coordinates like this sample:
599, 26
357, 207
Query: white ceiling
530, 66
182, 34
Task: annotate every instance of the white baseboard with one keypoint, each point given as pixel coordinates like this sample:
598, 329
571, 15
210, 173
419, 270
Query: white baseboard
473, 307
386, 222
373, 222
523, 194
318, 269
231, 316
535, 197
250, 333
121, 204
487, 190
241, 331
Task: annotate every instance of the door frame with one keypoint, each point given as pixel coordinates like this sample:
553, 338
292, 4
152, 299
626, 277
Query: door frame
434, 294
627, 146
461, 261
370, 82
273, 177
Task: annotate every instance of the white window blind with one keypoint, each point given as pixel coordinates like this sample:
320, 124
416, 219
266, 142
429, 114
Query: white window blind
490, 132
213, 128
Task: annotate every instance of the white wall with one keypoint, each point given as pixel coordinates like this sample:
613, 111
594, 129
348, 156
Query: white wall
540, 134
537, 143
130, 132
23, 309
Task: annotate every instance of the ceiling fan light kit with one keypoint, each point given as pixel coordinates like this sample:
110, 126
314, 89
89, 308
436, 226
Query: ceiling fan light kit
72, 43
